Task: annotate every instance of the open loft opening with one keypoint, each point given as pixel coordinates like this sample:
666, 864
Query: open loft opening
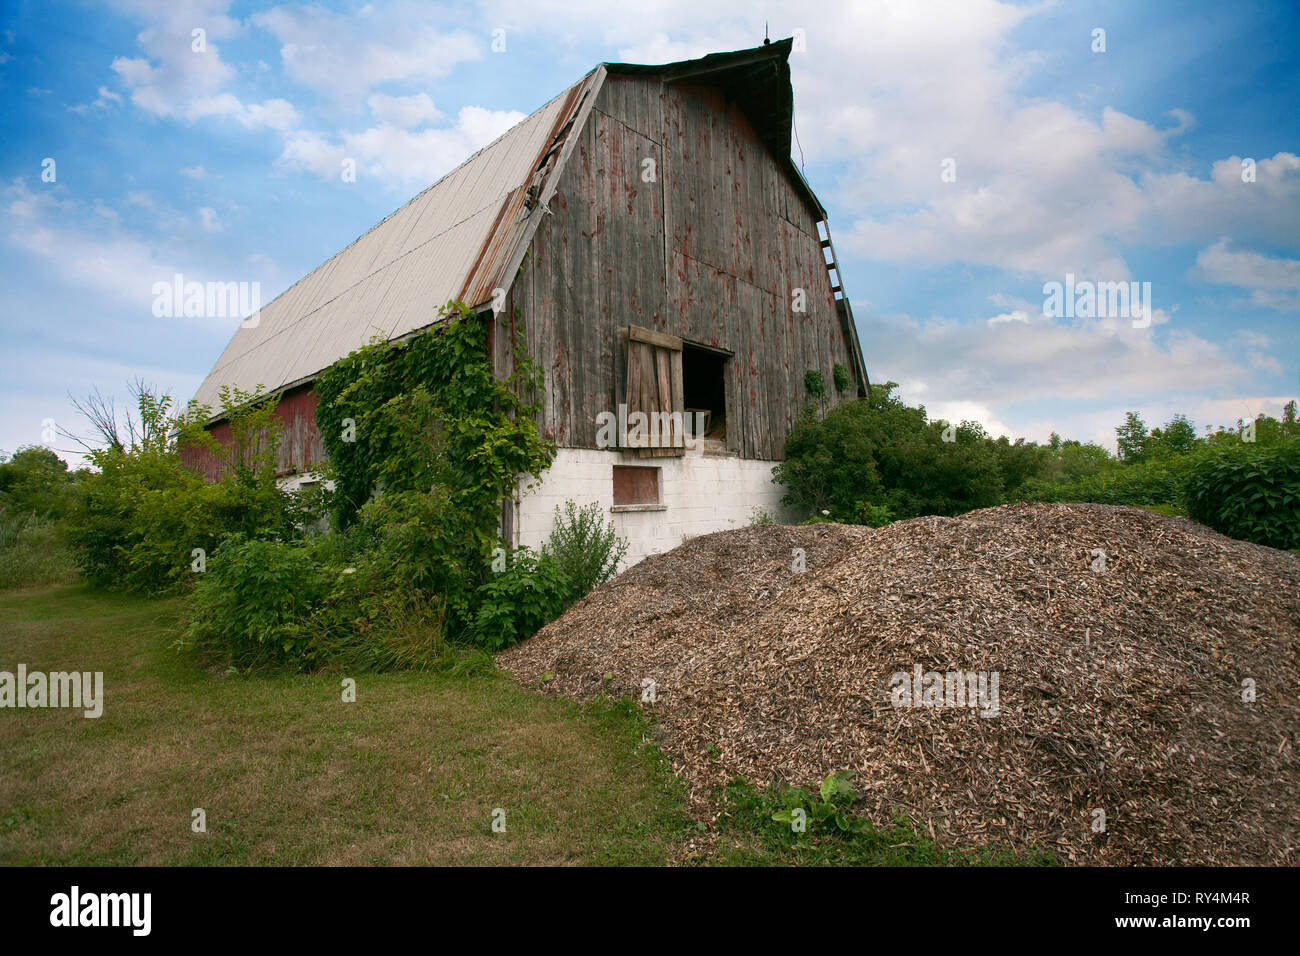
704, 389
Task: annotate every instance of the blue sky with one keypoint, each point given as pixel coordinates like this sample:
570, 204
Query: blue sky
223, 164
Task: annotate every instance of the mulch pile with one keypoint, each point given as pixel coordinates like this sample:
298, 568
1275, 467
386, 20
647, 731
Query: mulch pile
1120, 688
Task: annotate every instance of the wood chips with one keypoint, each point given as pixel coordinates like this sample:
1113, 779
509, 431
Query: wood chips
1120, 689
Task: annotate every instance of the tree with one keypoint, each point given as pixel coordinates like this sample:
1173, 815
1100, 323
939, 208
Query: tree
35, 481
1178, 437
879, 452
1132, 438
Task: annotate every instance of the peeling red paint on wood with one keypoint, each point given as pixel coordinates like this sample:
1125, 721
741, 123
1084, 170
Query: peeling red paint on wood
300, 443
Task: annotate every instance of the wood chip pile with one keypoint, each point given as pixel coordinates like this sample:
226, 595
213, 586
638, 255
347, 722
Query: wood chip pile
1120, 686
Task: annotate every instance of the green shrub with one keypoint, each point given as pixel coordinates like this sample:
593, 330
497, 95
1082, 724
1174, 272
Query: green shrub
1250, 492
404, 415
841, 377
35, 481
518, 601
872, 515
291, 605
428, 422
253, 606
585, 547
381, 632
1156, 482
814, 382
879, 450
137, 522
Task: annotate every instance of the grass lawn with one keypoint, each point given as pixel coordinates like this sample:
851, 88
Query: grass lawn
289, 774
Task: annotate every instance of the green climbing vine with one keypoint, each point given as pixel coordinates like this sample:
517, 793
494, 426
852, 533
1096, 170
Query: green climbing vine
426, 422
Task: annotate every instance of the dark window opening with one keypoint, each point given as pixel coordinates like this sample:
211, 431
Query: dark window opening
704, 389
634, 485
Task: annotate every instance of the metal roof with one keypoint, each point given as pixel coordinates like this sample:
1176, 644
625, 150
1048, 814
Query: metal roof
452, 241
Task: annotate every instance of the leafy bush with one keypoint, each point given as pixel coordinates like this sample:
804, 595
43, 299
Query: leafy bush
35, 481
427, 422
585, 548
431, 410
1250, 492
515, 603
253, 606
1148, 483
831, 807
286, 605
872, 515
881, 451
841, 376
401, 632
136, 522
33, 551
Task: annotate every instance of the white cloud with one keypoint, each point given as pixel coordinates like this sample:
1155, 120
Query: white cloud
113, 262
197, 173
310, 151
1273, 282
102, 100
1265, 363
1002, 373
404, 111
957, 411
346, 56
172, 75
400, 157
276, 114
174, 80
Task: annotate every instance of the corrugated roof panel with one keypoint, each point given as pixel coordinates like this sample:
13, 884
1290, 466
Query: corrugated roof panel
457, 234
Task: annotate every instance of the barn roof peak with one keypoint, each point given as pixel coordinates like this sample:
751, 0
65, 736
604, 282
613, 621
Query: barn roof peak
466, 234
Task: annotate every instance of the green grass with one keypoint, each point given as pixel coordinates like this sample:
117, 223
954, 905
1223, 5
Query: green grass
289, 774
33, 552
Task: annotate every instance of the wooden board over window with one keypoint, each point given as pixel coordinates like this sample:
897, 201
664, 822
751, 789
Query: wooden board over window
635, 485
654, 390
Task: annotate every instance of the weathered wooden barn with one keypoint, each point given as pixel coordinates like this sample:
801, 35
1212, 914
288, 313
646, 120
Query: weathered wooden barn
665, 255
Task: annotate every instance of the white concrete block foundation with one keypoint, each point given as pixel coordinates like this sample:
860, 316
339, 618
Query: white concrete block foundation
698, 494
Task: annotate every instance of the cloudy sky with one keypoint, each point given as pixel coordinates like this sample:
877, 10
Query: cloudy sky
968, 151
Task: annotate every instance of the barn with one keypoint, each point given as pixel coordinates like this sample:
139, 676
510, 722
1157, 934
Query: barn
669, 265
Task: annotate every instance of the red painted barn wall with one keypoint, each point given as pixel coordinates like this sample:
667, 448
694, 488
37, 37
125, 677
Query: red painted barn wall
300, 444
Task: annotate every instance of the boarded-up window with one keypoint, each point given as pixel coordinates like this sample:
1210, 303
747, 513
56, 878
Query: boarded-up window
635, 485
654, 394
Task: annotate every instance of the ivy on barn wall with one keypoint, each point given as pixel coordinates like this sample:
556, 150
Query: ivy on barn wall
409, 414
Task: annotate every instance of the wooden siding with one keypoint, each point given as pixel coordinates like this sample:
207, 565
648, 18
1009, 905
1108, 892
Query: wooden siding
300, 443
710, 252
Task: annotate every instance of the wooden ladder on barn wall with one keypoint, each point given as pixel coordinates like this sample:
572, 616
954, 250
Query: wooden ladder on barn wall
842, 306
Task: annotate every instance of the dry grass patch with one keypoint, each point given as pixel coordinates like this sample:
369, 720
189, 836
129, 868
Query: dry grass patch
289, 774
